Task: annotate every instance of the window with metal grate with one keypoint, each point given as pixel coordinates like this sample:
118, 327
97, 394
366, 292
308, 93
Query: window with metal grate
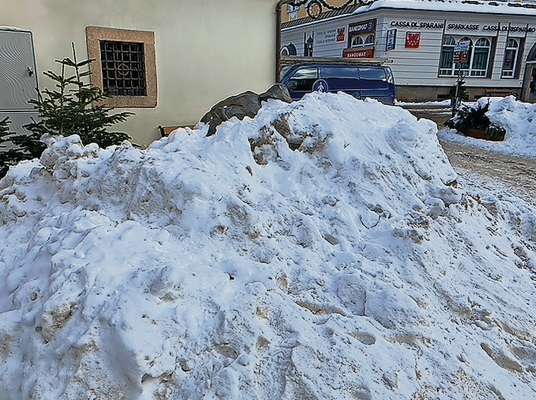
123, 68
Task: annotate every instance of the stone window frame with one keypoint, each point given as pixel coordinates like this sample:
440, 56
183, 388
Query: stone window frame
95, 34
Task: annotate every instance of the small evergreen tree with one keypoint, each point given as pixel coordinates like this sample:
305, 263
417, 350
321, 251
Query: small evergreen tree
4, 132
75, 107
4, 126
17, 147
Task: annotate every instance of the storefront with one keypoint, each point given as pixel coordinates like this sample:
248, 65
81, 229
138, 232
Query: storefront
429, 43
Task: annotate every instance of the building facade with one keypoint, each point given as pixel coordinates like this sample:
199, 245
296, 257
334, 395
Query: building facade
428, 43
292, 12
167, 61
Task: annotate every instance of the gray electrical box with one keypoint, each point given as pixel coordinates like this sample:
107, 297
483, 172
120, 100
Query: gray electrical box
18, 77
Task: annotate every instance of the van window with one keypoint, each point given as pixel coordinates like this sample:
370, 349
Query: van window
305, 78
339, 72
372, 74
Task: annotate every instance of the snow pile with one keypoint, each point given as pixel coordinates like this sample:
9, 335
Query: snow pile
519, 120
322, 250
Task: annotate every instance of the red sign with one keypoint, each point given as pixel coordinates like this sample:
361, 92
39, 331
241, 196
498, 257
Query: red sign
341, 35
358, 53
461, 58
413, 40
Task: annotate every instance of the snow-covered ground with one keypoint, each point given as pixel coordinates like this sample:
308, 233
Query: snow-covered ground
519, 120
323, 250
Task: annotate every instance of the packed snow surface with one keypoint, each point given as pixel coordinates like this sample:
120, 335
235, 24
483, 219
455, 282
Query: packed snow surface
519, 120
323, 250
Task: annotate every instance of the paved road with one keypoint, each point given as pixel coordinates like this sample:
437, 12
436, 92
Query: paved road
436, 113
517, 175
510, 173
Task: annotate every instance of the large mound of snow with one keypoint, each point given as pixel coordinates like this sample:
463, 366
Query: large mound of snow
519, 120
322, 250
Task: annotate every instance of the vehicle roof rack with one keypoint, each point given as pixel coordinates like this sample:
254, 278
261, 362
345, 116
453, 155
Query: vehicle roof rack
293, 60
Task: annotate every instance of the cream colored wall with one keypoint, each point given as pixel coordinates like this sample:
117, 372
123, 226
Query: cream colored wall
206, 50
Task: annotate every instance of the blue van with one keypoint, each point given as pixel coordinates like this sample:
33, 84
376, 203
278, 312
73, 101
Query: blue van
360, 81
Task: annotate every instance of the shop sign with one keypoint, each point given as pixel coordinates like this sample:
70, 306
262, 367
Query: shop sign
509, 28
358, 53
413, 40
360, 28
336, 35
418, 24
308, 44
341, 35
357, 28
324, 37
462, 46
463, 27
459, 26
461, 52
391, 40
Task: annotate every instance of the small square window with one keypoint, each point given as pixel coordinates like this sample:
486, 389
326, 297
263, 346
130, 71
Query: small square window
125, 66
118, 64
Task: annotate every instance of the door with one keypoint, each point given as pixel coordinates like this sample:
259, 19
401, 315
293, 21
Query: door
529, 85
18, 80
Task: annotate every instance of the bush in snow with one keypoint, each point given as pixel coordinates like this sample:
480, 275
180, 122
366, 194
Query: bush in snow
518, 120
473, 121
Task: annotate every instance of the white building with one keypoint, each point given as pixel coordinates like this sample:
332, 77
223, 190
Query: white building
177, 57
422, 39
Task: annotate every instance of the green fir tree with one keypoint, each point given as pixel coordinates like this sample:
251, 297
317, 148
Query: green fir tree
73, 107
76, 107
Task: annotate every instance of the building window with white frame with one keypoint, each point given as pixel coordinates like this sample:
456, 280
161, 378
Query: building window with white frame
357, 41
446, 62
362, 41
510, 58
478, 57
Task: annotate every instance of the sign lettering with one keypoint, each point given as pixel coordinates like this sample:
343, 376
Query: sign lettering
358, 53
454, 26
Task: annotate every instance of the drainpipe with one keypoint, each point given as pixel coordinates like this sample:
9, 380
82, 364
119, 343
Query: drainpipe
278, 10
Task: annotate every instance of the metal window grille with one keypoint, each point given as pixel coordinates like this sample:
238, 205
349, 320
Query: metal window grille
123, 68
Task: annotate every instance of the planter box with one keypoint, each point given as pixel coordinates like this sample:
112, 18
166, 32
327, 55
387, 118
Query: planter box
492, 133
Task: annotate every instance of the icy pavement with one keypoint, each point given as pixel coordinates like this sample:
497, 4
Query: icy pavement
516, 174
325, 250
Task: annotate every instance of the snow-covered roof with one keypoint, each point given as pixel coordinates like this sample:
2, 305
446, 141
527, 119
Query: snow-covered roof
465, 6
486, 7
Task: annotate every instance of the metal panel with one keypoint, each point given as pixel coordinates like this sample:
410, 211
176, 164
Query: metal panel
19, 119
18, 78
